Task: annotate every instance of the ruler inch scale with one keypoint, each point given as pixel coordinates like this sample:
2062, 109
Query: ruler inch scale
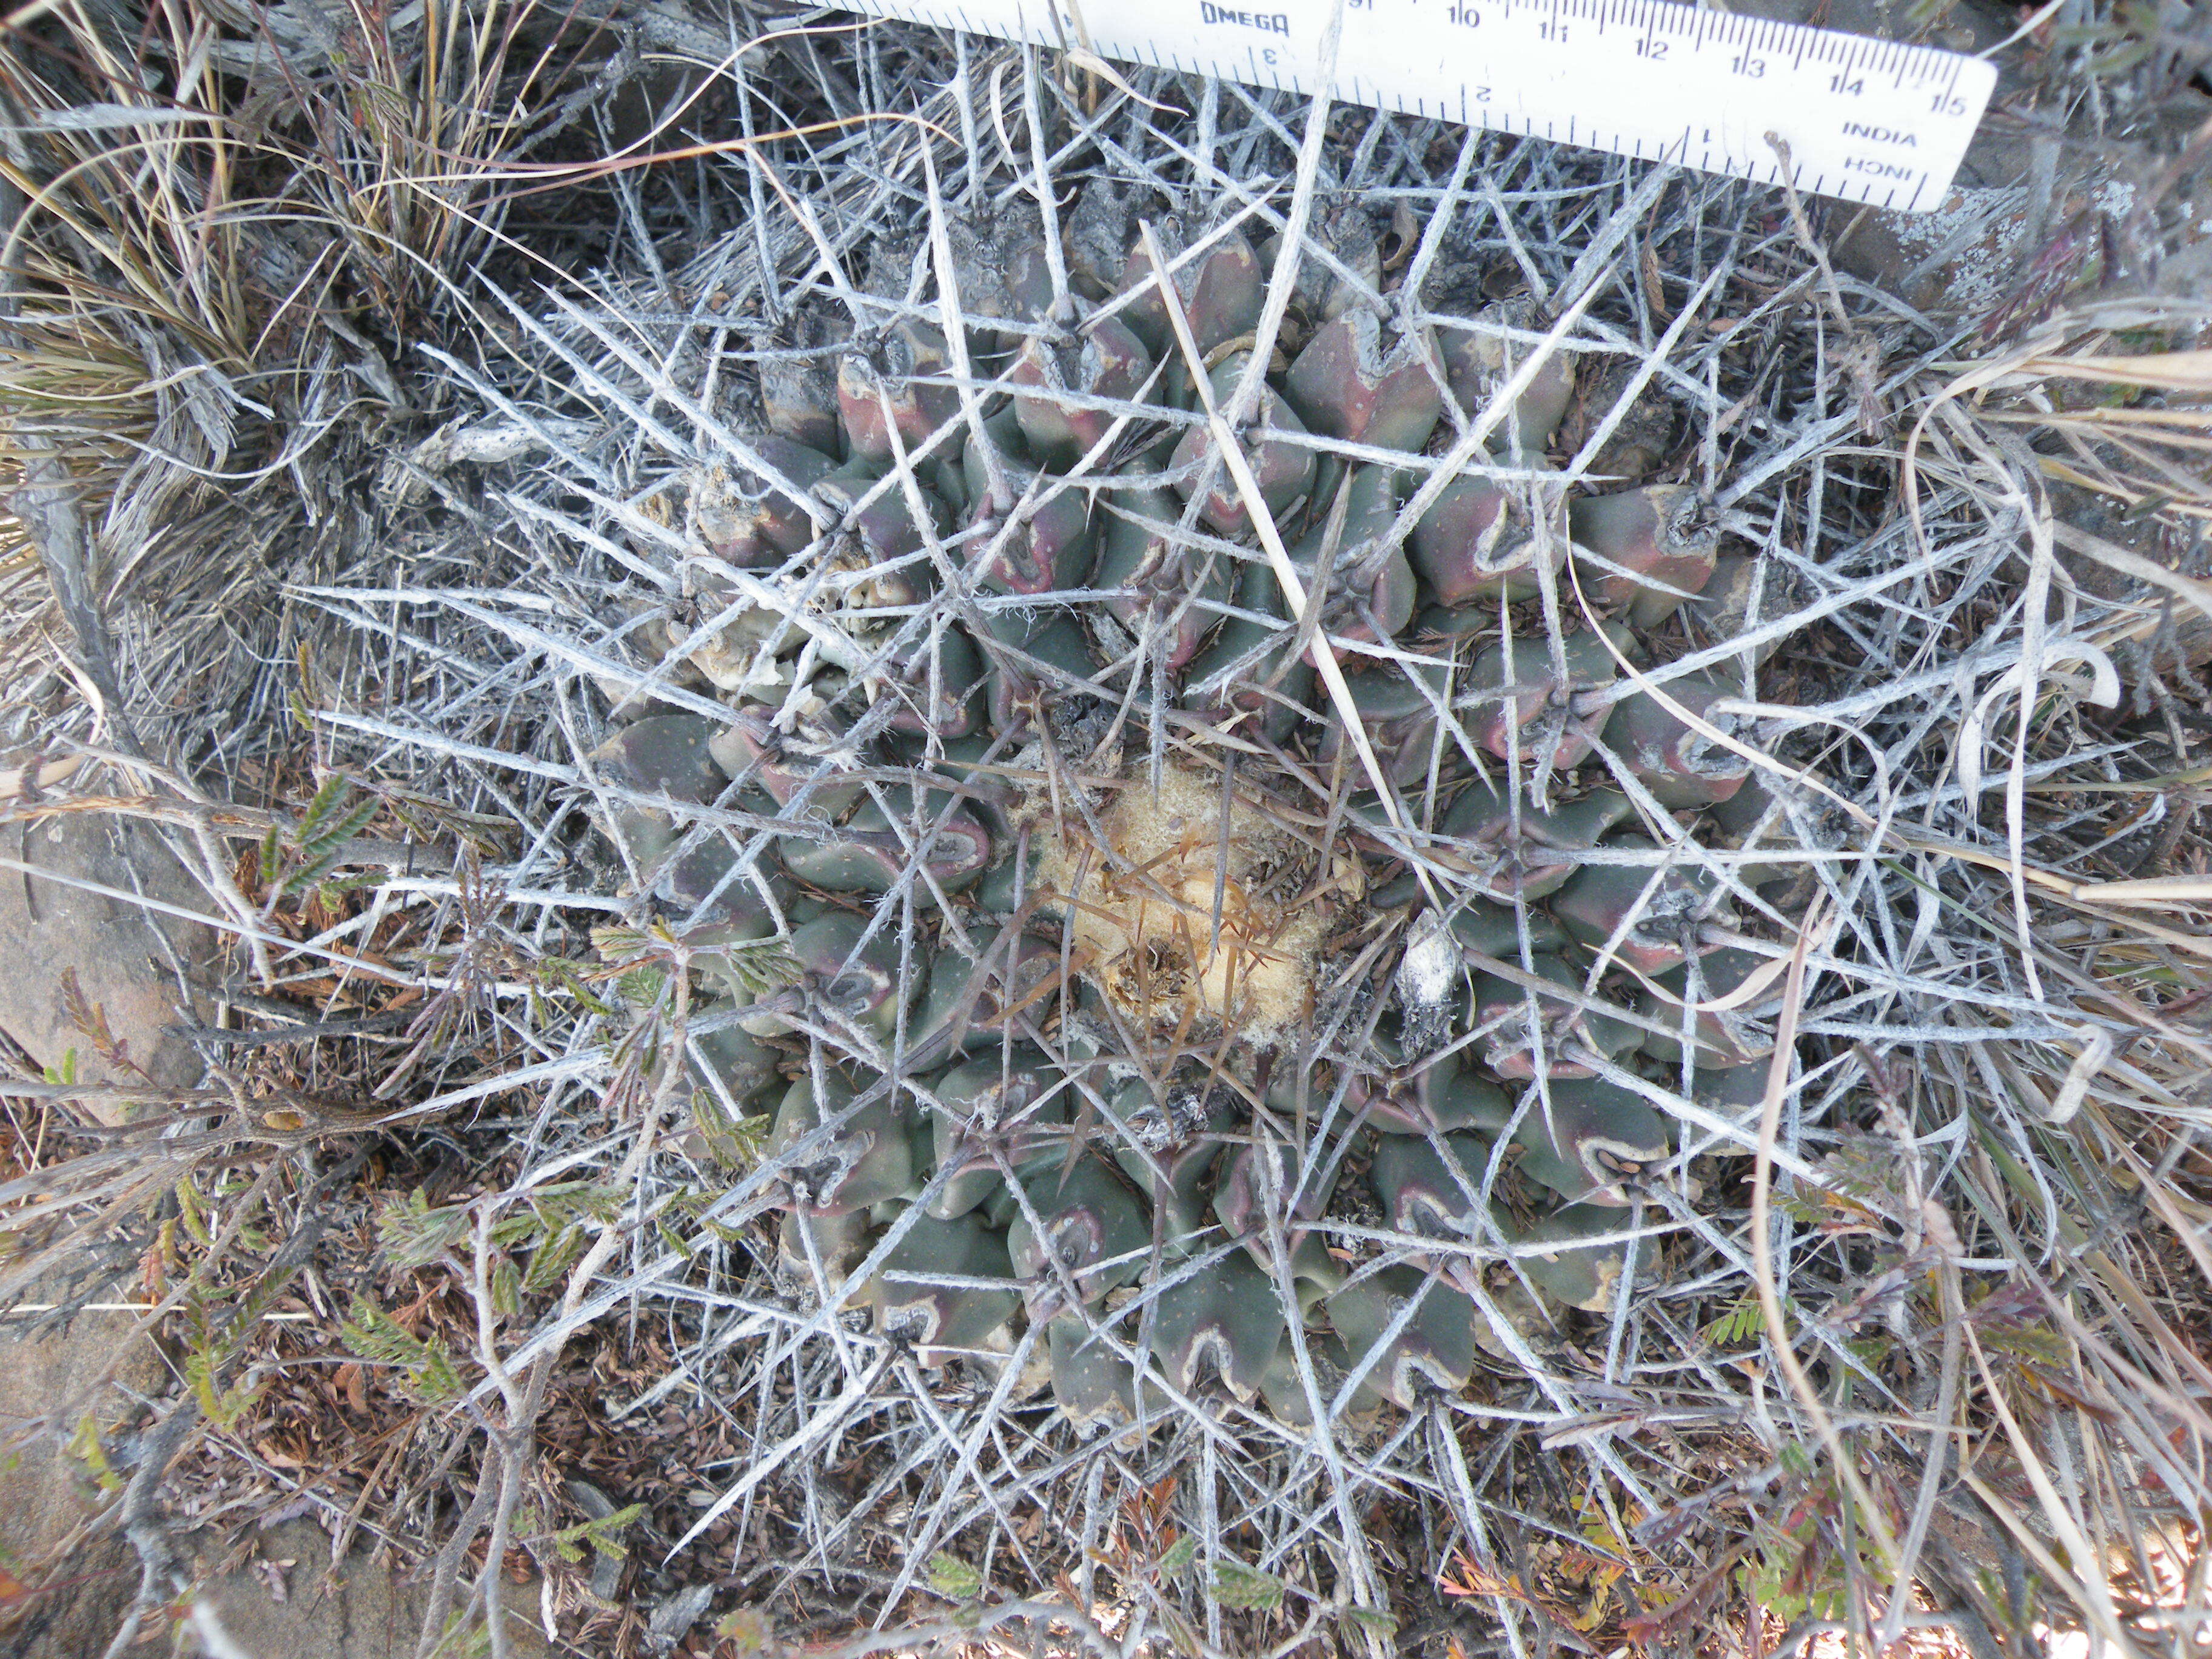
1879, 122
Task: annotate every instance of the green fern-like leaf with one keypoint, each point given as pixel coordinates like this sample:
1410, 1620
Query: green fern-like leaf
222, 1407
759, 966
373, 1334
1247, 1589
414, 1235
953, 1578
1741, 1323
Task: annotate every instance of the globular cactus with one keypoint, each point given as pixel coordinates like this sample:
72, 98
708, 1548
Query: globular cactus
1108, 360
992, 1115
750, 517
1347, 564
1174, 591
891, 390
838, 1157
1218, 276
1223, 1315
1718, 1011
1034, 785
1554, 1252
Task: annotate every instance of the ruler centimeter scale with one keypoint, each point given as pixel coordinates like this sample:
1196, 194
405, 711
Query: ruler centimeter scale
1868, 121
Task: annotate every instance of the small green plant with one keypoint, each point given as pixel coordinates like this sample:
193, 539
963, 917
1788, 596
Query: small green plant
297, 858
375, 1335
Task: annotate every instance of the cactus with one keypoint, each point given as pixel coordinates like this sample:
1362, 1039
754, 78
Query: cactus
1474, 546
1432, 1349
1682, 764
907, 1297
1361, 382
1224, 1313
1537, 706
1282, 468
1649, 915
1657, 552
1042, 673
1587, 1137
1088, 1235
1555, 1034
1479, 361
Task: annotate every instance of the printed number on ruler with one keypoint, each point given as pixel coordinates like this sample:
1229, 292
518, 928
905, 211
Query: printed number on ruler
1868, 121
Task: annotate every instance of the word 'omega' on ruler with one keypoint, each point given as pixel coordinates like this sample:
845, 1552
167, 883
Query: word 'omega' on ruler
1868, 120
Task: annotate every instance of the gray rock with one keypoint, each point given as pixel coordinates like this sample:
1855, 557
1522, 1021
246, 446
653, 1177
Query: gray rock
130, 962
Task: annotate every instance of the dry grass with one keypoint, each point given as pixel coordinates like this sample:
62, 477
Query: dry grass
522, 1267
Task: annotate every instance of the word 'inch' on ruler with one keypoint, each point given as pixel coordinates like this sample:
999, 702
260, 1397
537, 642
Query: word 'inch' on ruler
1868, 121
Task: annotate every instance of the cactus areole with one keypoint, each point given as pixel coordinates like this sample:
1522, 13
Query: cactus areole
1037, 888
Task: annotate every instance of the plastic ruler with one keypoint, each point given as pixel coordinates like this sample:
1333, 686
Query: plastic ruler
1868, 121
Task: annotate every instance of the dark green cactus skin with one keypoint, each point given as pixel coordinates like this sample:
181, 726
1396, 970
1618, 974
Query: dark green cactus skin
1285, 1394
865, 854
1103, 570
1592, 1137
751, 748
1562, 1266
993, 1114
1663, 555
1399, 711
941, 1318
1225, 1316
973, 1004
1018, 687
1175, 592
1090, 1229
886, 371
1434, 1351
1719, 1037
861, 1161
1108, 360
1429, 1190
1222, 290
798, 393
1512, 1048
745, 1066
1094, 1387
1532, 712
1283, 470
1360, 382
887, 530
1538, 862
1656, 913
1273, 689
1477, 363
1679, 763
1473, 546
1368, 597
1044, 545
